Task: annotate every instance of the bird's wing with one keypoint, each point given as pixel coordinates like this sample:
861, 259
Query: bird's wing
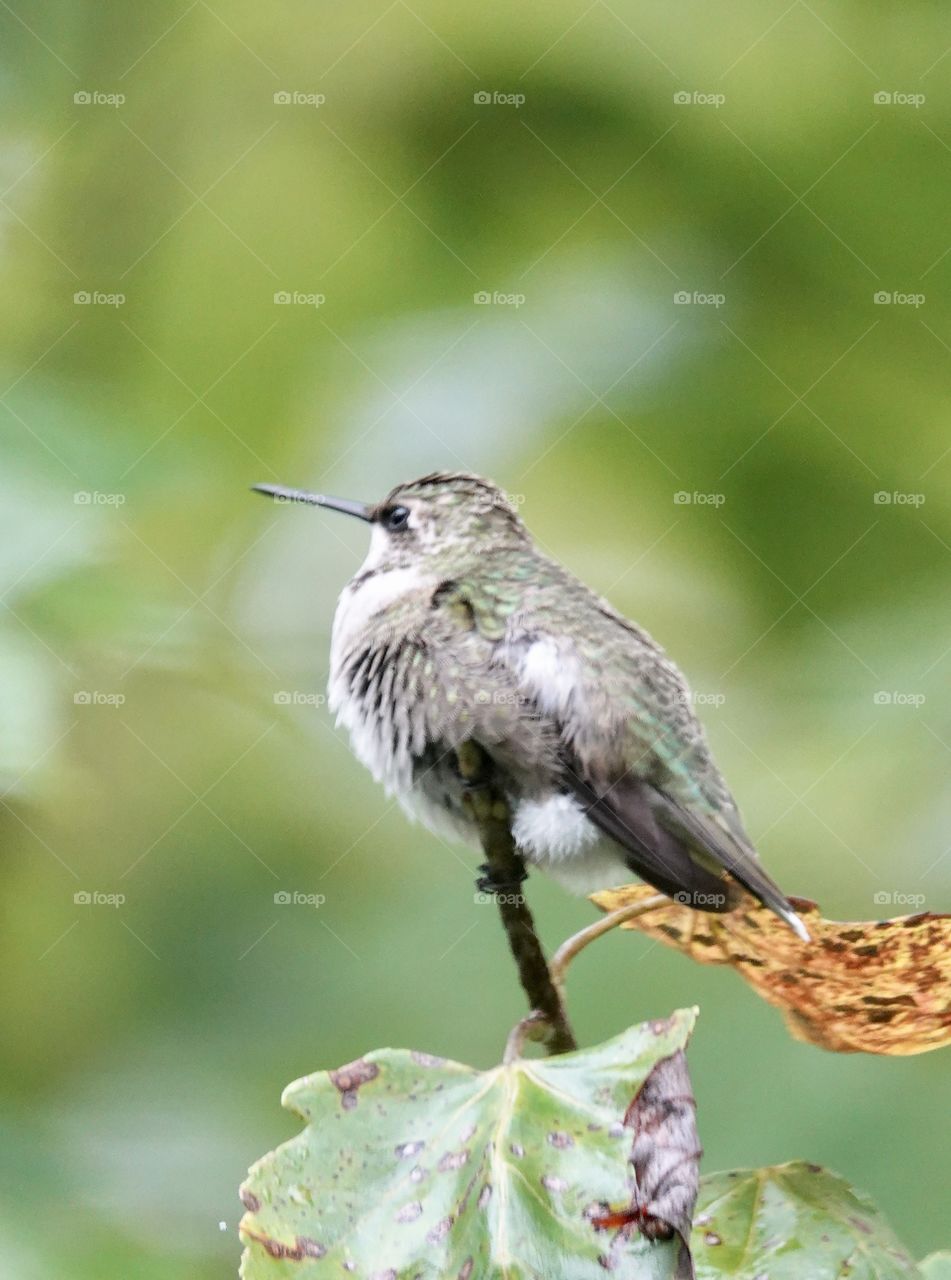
679, 851
633, 752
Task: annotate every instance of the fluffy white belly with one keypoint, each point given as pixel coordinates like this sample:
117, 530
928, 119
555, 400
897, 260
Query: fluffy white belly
554, 835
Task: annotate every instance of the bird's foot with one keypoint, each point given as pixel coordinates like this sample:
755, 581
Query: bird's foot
475, 786
490, 882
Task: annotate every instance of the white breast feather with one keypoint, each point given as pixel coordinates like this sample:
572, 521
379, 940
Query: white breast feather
550, 673
369, 735
357, 605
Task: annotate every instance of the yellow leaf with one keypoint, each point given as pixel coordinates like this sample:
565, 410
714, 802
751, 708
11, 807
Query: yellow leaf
865, 987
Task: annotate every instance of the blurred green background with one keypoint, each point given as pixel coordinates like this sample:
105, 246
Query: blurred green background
167, 170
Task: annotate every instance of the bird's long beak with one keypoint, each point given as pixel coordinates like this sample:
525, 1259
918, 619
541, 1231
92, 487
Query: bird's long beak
280, 494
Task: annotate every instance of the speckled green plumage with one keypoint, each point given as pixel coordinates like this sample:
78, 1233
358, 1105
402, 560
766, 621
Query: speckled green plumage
466, 630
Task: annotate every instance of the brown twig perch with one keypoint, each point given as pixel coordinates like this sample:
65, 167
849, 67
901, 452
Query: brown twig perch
506, 871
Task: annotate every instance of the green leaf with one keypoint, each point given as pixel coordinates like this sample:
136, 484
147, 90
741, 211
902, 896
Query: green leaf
792, 1222
412, 1166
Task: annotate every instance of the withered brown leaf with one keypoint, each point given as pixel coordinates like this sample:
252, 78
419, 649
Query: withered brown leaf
665, 1156
863, 987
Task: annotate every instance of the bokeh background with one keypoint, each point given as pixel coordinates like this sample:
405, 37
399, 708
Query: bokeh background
715, 251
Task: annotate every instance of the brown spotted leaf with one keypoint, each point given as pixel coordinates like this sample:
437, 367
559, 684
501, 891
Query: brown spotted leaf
871, 987
427, 1170
411, 1167
665, 1156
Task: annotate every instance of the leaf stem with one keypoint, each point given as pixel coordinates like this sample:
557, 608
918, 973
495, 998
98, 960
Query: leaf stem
558, 968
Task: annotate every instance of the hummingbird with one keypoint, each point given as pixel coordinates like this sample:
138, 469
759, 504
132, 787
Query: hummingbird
457, 627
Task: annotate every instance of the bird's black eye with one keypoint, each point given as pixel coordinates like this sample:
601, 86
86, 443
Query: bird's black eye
396, 518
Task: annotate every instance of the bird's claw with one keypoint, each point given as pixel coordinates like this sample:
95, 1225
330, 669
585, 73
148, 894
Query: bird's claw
488, 881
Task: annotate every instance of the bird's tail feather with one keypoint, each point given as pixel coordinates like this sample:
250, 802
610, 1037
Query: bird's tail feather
681, 853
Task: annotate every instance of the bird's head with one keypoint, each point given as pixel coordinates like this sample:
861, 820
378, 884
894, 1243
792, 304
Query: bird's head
443, 519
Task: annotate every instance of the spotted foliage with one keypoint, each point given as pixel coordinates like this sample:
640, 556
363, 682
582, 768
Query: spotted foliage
411, 1166
879, 986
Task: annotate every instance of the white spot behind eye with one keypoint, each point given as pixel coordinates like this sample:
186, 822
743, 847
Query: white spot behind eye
379, 548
